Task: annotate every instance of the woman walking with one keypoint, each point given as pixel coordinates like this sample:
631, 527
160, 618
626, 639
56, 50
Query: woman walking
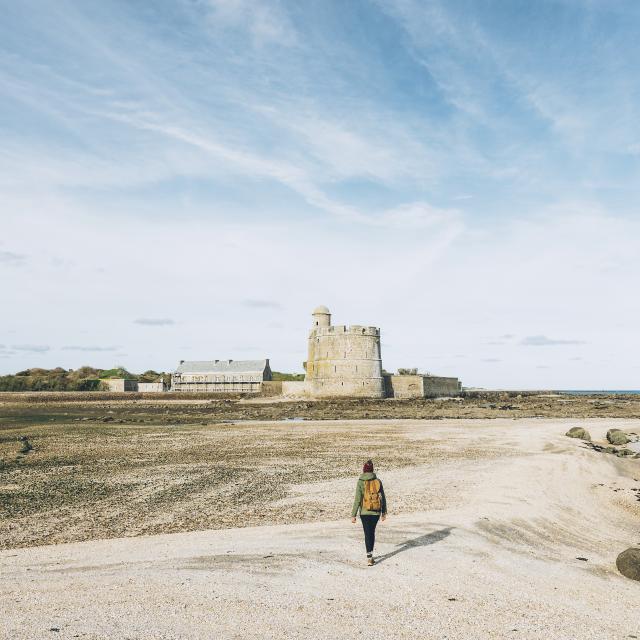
372, 505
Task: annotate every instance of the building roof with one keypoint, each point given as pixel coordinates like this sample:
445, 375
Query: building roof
321, 309
222, 366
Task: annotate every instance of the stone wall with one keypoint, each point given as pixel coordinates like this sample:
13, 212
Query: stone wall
440, 386
120, 385
272, 388
151, 387
404, 386
420, 386
286, 388
294, 388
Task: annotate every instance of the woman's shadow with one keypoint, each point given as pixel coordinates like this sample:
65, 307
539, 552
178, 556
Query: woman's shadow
420, 541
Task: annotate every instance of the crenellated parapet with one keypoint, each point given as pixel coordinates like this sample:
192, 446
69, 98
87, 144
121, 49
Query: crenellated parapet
354, 329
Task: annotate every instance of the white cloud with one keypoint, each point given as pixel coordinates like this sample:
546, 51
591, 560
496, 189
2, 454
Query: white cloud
543, 341
12, 259
88, 348
421, 215
34, 348
155, 322
266, 21
262, 304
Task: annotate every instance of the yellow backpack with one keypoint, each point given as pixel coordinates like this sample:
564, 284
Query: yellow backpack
371, 499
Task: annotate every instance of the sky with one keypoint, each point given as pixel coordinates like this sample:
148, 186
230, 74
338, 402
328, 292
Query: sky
188, 179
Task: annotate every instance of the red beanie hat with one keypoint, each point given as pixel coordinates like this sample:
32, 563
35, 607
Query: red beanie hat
368, 467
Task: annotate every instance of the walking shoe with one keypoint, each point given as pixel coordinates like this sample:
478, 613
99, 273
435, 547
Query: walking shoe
370, 561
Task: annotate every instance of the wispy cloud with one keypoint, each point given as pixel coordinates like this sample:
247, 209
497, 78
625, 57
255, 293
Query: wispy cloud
262, 304
5, 351
12, 259
267, 23
34, 348
88, 348
154, 322
421, 215
543, 341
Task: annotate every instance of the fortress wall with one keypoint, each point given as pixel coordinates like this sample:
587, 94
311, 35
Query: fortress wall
289, 388
404, 386
440, 386
420, 386
271, 388
295, 388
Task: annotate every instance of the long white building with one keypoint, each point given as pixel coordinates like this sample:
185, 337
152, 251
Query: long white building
222, 376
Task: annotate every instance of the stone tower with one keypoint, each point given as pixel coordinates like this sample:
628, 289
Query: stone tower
343, 361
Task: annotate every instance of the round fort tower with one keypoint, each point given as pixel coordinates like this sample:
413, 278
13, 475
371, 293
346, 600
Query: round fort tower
343, 361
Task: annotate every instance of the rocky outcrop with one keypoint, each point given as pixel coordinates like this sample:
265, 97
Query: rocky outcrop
578, 432
617, 437
628, 563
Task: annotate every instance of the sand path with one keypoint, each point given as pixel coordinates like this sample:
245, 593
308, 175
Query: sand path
497, 560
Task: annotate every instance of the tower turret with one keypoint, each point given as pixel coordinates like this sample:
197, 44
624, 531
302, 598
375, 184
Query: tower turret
321, 317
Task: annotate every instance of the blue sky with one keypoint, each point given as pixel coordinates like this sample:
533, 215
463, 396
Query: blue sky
188, 179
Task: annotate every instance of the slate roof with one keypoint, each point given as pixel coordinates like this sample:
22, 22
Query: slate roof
223, 366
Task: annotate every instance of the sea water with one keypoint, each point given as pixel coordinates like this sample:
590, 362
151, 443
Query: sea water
603, 392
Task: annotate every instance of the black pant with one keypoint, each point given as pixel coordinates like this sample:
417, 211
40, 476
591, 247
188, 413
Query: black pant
369, 525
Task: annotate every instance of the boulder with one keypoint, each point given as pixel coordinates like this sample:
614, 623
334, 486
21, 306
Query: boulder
615, 436
621, 453
628, 563
578, 432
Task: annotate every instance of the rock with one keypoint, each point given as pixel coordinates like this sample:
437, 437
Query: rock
578, 432
621, 453
628, 563
26, 445
107, 419
615, 436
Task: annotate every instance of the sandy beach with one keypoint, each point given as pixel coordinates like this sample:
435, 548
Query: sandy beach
510, 531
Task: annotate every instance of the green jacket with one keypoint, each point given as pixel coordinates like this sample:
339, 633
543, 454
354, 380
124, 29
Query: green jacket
357, 503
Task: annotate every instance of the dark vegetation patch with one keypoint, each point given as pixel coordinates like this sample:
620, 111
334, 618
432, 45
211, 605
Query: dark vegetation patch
59, 379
